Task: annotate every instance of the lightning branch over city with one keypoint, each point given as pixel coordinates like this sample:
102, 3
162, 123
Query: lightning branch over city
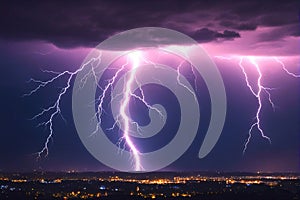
257, 91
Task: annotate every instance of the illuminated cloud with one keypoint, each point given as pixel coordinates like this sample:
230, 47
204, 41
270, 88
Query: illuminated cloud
87, 23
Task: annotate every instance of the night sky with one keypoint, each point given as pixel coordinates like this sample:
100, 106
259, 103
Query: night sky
49, 35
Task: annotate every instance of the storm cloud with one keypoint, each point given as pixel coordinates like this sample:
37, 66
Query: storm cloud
86, 23
206, 35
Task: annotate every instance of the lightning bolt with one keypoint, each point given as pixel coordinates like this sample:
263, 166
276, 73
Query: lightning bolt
181, 84
285, 69
125, 102
258, 96
54, 109
102, 97
134, 59
258, 93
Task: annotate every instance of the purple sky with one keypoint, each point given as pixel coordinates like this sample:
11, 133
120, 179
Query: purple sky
57, 35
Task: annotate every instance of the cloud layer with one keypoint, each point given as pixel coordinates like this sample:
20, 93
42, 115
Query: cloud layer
86, 23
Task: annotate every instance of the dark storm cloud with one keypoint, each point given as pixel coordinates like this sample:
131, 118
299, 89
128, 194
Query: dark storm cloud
207, 35
279, 32
228, 34
238, 26
86, 23
294, 30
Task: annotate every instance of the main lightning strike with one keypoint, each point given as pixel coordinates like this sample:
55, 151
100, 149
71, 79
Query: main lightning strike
125, 103
53, 110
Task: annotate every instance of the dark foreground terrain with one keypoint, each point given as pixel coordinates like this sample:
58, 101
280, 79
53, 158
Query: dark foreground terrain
159, 185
